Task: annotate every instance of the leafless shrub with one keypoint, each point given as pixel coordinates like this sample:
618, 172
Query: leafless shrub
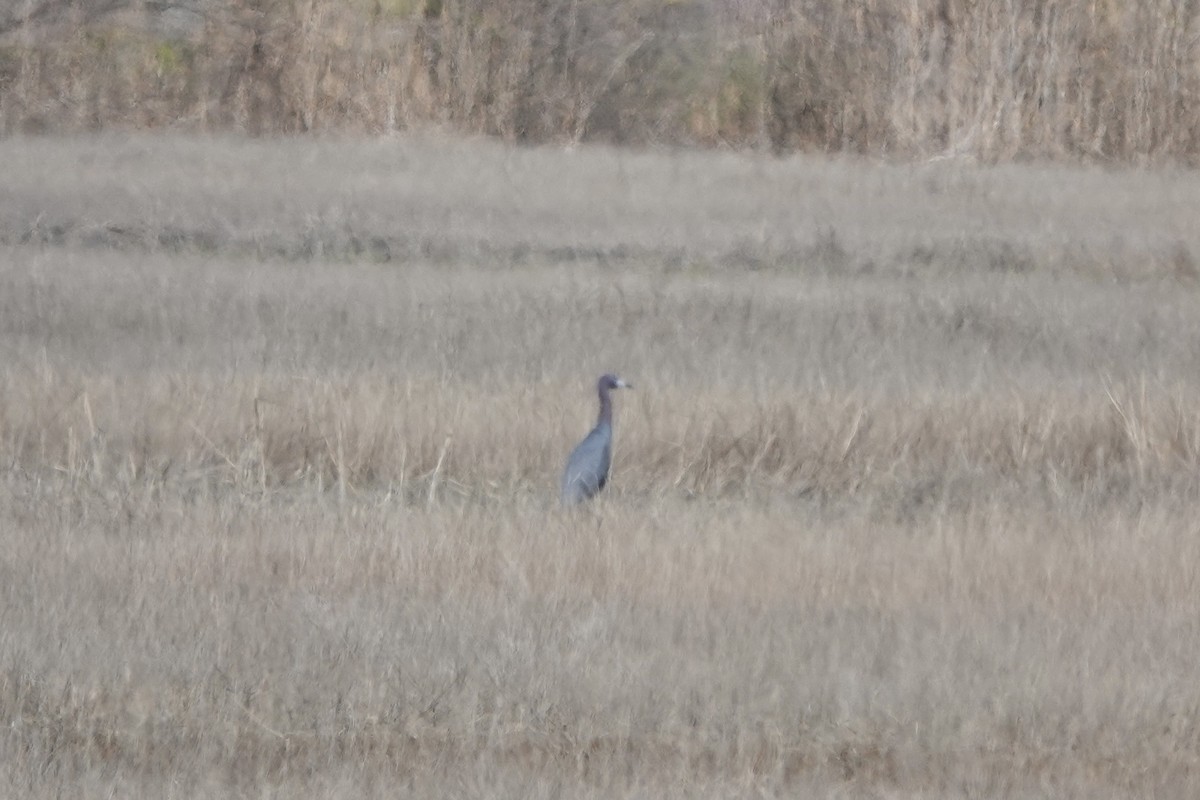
947, 78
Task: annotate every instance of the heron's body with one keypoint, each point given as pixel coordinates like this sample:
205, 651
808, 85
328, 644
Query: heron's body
590, 461
587, 468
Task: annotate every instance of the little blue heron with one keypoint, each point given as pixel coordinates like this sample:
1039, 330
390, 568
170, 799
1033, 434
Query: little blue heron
587, 468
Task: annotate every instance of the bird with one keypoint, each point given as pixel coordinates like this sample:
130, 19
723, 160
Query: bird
588, 465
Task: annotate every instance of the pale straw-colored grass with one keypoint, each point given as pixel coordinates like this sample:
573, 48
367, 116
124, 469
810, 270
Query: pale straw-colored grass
287, 526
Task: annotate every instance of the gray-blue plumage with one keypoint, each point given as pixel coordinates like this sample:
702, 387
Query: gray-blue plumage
589, 463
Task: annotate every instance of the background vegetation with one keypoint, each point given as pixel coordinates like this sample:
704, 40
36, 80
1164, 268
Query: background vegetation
1106, 81
905, 502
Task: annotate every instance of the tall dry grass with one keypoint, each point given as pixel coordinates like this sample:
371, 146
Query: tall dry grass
909, 513
997, 81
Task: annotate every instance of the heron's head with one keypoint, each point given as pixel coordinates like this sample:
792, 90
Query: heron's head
610, 381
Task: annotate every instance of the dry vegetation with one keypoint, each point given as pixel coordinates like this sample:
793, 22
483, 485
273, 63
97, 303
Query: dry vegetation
905, 502
1101, 80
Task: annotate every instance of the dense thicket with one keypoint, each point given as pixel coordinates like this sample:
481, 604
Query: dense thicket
994, 79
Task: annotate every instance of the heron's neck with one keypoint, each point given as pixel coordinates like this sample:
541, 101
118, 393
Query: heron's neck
605, 408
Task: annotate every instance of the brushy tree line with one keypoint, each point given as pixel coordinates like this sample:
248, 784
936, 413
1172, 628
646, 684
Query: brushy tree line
994, 79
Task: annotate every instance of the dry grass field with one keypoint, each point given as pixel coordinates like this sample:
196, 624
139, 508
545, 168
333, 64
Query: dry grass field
906, 502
